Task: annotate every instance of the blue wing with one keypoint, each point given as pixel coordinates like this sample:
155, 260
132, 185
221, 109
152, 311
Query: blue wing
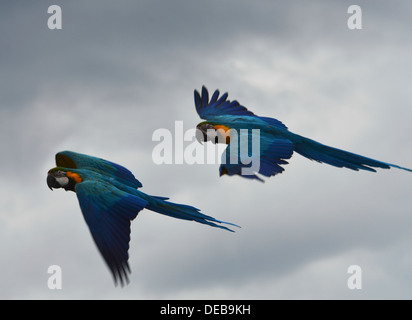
108, 212
240, 155
217, 106
74, 160
208, 109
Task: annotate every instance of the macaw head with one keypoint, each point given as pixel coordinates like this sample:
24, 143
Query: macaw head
206, 131
62, 178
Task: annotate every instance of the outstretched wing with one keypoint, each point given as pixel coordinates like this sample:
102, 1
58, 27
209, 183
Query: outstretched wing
217, 106
74, 160
241, 156
108, 212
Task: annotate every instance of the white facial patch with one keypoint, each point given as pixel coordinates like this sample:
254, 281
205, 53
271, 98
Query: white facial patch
62, 181
211, 134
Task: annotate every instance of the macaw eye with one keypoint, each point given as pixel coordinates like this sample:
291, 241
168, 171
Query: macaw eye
212, 135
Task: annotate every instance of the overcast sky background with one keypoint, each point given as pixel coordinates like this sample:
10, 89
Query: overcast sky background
118, 71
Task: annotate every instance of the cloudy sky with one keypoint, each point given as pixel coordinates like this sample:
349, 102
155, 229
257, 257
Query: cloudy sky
117, 71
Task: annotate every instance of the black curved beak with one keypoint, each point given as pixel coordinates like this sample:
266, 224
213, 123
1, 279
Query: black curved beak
200, 136
52, 183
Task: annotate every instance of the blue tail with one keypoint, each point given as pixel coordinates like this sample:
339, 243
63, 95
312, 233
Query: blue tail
339, 158
185, 212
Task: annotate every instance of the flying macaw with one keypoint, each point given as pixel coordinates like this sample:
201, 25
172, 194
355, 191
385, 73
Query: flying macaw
109, 200
277, 143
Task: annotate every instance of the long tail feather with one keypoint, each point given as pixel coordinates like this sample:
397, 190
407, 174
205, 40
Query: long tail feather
185, 212
339, 158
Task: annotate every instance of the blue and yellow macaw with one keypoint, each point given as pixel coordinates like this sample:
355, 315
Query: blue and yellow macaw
277, 143
109, 200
